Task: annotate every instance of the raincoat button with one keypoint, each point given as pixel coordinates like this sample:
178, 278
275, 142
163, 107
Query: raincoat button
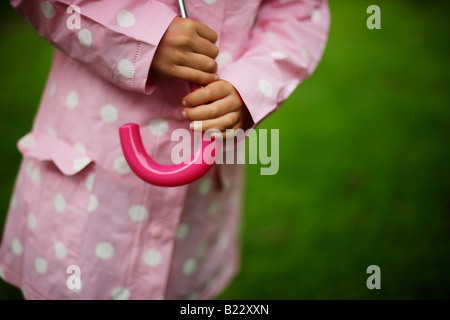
156, 231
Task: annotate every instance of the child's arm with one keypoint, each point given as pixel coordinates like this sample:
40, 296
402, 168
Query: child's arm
112, 42
285, 47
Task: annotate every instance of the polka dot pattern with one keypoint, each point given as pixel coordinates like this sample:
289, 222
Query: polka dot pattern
138, 213
189, 266
60, 250
90, 181
109, 114
47, 10
79, 146
126, 68
182, 231
93, 203
121, 166
152, 257
31, 221
85, 38
120, 293
16, 247
158, 127
210, 1
40, 265
80, 163
52, 89
205, 186
59, 203
72, 100
28, 142
35, 176
265, 87
125, 19
104, 250
223, 59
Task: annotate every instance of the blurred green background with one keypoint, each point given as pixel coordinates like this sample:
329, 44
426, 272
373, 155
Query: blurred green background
364, 159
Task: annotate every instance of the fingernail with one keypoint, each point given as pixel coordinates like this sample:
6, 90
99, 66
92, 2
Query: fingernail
216, 77
184, 103
183, 114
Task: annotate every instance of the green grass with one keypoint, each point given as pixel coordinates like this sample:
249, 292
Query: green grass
364, 154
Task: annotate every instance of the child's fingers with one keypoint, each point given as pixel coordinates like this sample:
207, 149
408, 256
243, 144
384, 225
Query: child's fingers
199, 62
192, 75
214, 91
203, 46
206, 32
212, 110
230, 133
222, 123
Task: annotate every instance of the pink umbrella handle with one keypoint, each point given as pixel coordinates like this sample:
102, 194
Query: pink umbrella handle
164, 175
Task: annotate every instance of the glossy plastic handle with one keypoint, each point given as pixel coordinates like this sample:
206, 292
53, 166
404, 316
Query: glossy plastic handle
163, 175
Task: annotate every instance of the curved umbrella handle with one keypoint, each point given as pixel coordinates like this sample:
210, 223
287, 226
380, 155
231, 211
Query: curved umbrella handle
163, 175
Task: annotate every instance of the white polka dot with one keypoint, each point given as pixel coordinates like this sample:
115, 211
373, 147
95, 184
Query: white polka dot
205, 186
109, 113
60, 250
223, 240
316, 16
41, 265
52, 89
51, 132
36, 176
214, 207
121, 165
13, 203
120, 293
193, 296
81, 163
24, 293
47, 9
210, 1
16, 247
104, 250
125, 19
90, 181
189, 266
182, 231
29, 168
31, 221
80, 147
27, 142
252, 19
85, 37
223, 59
126, 68
72, 100
138, 213
291, 88
277, 55
152, 257
305, 55
2, 274
159, 127
93, 203
265, 87
59, 203
201, 249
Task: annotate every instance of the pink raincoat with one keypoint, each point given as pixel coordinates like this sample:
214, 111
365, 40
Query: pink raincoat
77, 209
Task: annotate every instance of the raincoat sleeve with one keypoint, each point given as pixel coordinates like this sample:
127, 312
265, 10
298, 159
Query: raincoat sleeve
286, 44
114, 39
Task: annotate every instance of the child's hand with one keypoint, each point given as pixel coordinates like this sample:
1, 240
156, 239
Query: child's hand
187, 52
217, 106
